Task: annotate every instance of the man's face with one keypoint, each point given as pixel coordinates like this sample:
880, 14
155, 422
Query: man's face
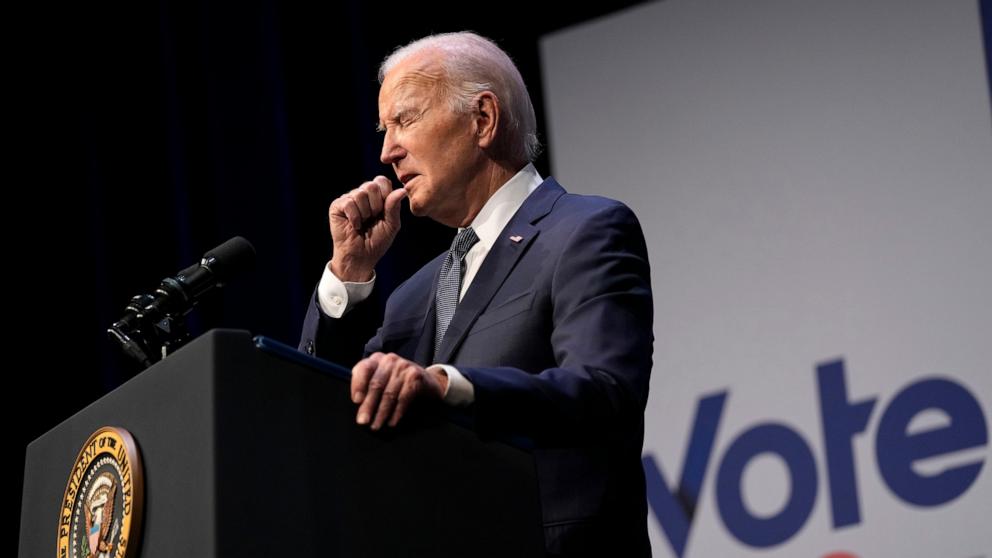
432, 149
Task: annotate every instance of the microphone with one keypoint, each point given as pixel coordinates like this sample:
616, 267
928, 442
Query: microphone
153, 324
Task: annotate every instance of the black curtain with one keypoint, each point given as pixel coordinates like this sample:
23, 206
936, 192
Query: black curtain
153, 131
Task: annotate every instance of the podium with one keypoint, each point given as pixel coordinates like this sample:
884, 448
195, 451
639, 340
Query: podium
250, 448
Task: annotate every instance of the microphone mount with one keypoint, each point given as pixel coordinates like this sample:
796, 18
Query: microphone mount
154, 323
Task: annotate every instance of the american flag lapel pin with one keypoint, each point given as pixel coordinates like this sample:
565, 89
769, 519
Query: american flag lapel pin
516, 238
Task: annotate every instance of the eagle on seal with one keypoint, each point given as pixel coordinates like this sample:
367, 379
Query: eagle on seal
97, 533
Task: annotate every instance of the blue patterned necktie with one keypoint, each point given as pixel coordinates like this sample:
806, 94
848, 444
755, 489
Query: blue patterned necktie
449, 283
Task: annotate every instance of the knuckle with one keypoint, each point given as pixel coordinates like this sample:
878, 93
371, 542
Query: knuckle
415, 381
377, 384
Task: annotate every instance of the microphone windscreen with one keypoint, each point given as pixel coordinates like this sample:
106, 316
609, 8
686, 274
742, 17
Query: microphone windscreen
231, 258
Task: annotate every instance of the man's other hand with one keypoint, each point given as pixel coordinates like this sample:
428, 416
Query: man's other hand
384, 385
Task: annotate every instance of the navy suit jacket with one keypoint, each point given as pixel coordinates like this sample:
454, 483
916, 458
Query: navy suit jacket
555, 334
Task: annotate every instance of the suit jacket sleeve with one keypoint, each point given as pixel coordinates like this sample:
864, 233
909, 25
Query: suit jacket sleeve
340, 340
601, 337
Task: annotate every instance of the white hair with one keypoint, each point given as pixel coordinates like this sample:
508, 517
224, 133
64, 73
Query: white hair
473, 64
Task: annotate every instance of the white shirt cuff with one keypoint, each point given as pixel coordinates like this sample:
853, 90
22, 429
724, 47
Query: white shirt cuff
460, 391
336, 297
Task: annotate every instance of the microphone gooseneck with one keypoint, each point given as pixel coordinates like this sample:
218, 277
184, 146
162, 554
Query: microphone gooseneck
153, 323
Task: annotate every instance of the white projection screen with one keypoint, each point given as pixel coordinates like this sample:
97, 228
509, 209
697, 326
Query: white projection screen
815, 183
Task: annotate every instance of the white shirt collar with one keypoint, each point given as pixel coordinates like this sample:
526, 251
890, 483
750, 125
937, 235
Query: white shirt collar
499, 208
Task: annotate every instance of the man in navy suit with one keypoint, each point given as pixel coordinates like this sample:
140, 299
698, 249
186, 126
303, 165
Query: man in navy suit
539, 320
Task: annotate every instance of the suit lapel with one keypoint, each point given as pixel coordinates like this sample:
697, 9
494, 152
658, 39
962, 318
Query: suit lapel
424, 353
511, 244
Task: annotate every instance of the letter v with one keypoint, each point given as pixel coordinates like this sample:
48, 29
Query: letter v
675, 510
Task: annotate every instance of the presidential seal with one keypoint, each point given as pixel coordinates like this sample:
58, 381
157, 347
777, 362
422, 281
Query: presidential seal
101, 510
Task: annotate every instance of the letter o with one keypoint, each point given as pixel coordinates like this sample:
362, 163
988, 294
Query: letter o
787, 444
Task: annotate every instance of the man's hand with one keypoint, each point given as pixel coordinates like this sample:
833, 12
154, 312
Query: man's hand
363, 224
384, 385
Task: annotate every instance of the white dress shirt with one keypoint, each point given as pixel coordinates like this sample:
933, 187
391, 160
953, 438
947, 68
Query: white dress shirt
336, 297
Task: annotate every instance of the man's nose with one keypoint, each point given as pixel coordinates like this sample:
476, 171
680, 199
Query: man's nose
392, 151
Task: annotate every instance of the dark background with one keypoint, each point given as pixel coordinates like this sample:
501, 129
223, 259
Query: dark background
147, 133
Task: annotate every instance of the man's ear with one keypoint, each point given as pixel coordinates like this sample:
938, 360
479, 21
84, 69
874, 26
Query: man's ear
486, 118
